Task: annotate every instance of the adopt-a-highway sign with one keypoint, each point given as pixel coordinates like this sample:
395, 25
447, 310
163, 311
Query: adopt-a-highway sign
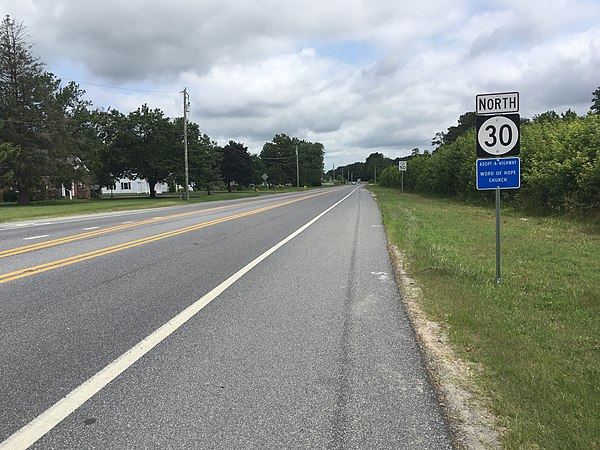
502, 173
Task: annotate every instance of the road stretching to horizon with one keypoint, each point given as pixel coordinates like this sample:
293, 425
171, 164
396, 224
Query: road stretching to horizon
272, 322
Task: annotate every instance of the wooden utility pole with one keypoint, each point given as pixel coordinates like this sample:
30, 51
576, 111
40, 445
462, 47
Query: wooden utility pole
186, 193
297, 169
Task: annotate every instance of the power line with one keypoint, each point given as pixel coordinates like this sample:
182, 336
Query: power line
285, 157
119, 88
233, 132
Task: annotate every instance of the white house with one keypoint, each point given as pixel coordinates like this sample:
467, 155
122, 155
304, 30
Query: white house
135, 186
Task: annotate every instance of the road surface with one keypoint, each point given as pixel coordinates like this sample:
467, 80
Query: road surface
260, 323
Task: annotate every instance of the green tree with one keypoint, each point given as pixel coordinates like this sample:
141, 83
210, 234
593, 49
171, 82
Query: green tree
259, 169
7, 152
148, 141
548, 116
354, 171
279, 157
105, 159
236, 165
390, 177
375, 163
569, 114
204, 157
595, 108
37, 113
310, 162
466, 122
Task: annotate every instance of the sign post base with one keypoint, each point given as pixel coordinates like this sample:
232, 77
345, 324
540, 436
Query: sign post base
498, 273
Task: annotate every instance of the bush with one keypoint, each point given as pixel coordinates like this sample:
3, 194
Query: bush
560, 167
9, 195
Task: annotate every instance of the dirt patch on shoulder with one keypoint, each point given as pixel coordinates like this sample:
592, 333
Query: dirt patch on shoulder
472, 425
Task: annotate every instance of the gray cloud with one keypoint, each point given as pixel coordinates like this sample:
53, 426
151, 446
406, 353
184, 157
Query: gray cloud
357, 76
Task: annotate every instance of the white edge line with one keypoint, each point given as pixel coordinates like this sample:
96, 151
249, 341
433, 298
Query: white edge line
90, 228
42, 424
36, 237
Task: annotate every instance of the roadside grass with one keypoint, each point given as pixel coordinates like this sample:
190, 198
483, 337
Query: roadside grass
537, 334
10, 212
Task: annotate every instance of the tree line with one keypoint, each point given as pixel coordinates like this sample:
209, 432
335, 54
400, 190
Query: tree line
560, 163
50, 136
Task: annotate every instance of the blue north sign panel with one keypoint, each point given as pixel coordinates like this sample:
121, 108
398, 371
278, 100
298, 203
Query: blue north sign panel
503, 173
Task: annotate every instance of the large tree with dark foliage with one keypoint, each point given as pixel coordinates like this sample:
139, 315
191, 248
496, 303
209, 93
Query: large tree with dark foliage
466, 122
204, 157
148, 141
279, 158
36, 115
104, 158
596, 101
236, 165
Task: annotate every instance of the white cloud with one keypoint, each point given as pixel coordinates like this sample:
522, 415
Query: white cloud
357, 76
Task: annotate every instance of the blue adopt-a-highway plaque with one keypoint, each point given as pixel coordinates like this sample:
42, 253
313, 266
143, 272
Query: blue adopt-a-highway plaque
503, 173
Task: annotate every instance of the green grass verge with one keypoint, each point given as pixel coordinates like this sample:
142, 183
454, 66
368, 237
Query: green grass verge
536, 335
10, 212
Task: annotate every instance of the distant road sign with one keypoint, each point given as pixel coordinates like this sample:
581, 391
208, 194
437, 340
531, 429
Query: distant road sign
498, 136
265, 176
501, 103
503, 173
402, 166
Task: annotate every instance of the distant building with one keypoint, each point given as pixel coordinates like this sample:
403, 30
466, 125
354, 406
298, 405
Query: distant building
135, 186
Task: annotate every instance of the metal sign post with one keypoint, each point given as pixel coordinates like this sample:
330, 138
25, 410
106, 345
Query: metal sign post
498, 136
498, 272
402, 168
497, 174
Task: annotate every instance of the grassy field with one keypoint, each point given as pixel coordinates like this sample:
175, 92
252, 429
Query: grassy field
10, 212
537, 334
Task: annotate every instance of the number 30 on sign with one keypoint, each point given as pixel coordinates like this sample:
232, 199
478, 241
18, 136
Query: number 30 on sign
498, 136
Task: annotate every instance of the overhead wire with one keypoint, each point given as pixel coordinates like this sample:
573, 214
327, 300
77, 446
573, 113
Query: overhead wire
201, 129
117, 87
233, 132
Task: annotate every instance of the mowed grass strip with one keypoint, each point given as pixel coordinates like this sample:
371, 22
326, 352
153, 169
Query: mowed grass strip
536, 335
10, 212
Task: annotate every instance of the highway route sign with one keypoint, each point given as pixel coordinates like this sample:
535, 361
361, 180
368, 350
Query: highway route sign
498, 136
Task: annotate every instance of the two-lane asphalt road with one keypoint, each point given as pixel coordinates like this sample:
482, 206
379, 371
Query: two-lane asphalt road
260, 323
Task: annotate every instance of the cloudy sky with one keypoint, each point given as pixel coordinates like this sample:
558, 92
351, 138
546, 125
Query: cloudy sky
357, 76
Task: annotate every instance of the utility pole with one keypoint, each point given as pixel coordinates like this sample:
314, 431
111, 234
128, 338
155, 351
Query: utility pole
342, 175
186, 193
334, 173
297, 169
375, 181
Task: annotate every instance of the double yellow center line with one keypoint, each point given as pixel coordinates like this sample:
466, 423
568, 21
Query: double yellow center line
22, 273
78, 237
